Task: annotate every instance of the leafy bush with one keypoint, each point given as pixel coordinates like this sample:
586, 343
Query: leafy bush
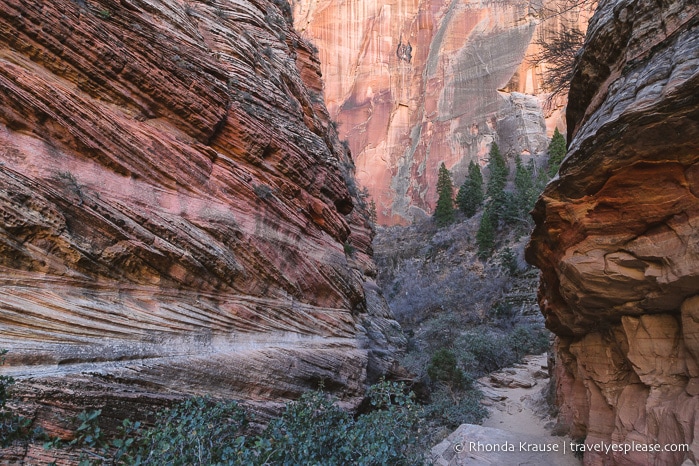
495, 188
526, 340
12, 426
452, 409
509, 261
312, 430
443, 368
348, 248
488, 351
198, 431
315, 431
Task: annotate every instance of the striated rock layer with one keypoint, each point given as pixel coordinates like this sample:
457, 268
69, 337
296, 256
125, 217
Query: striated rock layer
617, 235
176, 212
414, 83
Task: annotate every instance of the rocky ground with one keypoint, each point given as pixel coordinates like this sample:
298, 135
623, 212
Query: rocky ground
519, 427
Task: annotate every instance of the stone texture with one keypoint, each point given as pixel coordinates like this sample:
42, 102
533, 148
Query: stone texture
174, 205
616, 234
458, 89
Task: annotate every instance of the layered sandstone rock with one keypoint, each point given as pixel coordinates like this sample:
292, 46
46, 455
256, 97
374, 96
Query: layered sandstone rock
175, 212
414, 83
616, 235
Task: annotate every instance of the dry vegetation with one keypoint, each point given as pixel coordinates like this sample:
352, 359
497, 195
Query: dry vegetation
464, 317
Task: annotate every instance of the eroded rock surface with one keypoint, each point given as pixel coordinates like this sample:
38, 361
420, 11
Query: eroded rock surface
175, 215
616, 235
414, 83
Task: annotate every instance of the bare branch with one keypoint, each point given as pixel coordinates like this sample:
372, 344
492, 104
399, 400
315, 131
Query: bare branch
557, 57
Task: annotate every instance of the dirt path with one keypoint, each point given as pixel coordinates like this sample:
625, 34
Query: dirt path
518, 431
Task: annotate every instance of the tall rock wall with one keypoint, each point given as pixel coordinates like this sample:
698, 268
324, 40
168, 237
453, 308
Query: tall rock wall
177, 214
617, 236
414, 83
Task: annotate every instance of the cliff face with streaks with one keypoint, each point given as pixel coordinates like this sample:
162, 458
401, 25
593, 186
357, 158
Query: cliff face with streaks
175, 216
414, 83
616, 235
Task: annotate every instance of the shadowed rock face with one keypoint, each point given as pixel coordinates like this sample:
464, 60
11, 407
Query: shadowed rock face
616, 235
173, 209
414, 83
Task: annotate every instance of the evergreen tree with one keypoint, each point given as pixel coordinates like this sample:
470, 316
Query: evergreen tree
470, 196
372, 212
485, 238
496, 184
557, 151
521, 201
444, 213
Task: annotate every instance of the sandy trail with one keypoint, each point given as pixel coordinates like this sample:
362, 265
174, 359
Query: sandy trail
517, 432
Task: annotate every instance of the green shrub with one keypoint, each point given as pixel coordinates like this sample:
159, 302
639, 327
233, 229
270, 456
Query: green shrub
502, 310
12, 426
509, 261
526, 340
312, 430
495, 188
315, 431
443, 368
373, 215
452, 409
483, 352
490, 351
348, 248
196, 432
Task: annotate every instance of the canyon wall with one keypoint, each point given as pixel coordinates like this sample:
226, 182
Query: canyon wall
414, 83
177, 214
617, 236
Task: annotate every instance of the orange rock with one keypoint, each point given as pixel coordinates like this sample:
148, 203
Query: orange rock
414, 83
616, 235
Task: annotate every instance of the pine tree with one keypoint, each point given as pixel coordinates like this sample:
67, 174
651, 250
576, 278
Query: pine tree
557, 151
444, 213
496, 184
521, 201
470, 196
485, 238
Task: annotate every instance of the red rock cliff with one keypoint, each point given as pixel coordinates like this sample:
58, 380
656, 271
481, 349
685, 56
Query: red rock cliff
414, 83
174, 209
616, 235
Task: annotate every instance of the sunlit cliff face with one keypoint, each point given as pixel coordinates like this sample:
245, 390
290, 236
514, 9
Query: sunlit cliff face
413, 84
